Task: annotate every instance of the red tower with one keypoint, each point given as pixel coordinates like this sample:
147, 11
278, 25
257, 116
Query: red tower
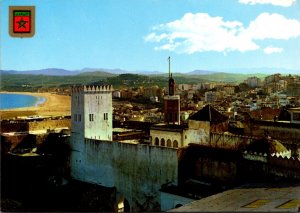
171, 103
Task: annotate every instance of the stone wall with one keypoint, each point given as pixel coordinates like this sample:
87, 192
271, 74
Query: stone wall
281, 131
13, 126
229, 141
198, 161
49, 124
136, 170
262, 167
23, 126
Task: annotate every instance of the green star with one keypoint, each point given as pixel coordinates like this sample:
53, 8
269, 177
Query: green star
22, 23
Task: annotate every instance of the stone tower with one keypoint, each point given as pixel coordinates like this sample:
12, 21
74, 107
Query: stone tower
91, 114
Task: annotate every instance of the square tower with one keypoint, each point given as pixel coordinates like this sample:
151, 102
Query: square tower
91, 110
172, 109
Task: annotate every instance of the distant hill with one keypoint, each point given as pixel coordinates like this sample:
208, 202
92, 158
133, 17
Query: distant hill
97, 74
117, 71
121, 71
230, 77
265, 70
200, 72
31, 80
84, 71
49, 72
214, 76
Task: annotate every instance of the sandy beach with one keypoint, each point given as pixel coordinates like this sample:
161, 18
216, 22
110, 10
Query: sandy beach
54, 105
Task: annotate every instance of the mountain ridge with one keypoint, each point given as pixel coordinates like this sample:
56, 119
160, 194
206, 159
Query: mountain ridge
111, 72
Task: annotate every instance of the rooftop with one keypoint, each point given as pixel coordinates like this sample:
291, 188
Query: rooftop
264, 199
170, 127
208, 113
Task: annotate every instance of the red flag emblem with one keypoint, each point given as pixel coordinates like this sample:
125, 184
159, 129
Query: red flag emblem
22, 21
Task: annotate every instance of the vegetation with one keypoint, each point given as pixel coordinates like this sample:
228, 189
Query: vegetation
26, 82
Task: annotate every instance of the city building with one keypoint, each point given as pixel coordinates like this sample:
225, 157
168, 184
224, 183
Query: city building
253, 82
177, 154
210, 97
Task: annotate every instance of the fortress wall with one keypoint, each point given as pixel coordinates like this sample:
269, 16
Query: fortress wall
49, 124
280, 133
284, 133
229, 141
34, 125
136, 170
13, 126
218, 169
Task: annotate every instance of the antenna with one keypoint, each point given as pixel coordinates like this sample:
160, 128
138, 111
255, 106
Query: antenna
169, 59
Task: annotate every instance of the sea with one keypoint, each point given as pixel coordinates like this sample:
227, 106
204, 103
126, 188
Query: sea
11, 101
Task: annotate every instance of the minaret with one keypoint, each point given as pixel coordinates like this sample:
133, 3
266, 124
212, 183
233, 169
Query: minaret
171, 102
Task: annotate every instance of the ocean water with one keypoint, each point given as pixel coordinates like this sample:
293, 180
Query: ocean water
11, 101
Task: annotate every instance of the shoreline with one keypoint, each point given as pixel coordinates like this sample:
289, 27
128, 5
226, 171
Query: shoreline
34, 94
37, 103
53, 105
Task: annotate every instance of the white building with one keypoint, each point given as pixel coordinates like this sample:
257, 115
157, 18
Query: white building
89, 118
137, 171
198, 130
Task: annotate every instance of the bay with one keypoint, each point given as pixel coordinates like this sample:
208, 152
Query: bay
11, 101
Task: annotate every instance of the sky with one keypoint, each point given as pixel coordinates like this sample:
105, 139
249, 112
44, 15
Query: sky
138, 35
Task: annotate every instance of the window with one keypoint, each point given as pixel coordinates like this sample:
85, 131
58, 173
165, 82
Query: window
75, 117
91, 117
79, 117
105, 116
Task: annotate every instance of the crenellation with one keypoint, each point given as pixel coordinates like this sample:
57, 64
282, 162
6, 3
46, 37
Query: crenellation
91, 88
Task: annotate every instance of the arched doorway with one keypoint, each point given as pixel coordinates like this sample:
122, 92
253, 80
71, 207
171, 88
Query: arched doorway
123, 205
162, 142
169, 143
175, 144
156, 142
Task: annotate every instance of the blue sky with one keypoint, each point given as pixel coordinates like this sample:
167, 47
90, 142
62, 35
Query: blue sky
141, 34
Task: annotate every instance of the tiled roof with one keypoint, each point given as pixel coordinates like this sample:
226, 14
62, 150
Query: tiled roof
208, 113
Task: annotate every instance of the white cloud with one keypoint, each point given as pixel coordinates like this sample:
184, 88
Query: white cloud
273, 26
154, 37
283, 3
271, 49
200, 33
